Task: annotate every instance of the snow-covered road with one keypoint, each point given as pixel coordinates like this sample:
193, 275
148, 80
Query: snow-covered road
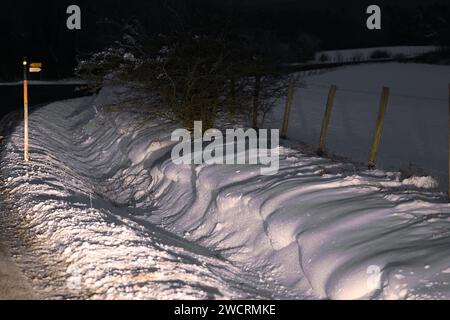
317, 229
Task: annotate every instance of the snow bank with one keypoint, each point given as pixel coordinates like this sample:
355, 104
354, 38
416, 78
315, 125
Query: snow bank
317, 229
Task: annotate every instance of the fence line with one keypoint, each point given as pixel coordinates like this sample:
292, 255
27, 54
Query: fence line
344, 89
379, 123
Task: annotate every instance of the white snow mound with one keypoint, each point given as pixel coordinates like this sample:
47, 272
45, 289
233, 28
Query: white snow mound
316, 229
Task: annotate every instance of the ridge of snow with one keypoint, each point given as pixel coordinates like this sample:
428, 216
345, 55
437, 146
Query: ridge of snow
157, 230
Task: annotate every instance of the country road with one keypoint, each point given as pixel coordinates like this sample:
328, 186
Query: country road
13, 284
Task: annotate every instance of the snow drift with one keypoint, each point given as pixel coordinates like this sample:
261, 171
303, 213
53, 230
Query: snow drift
317, 229
415, 130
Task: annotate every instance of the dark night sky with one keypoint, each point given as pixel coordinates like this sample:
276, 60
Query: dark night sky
37, 27
330, 4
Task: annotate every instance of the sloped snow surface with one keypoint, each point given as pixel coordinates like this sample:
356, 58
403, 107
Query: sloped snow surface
316, 229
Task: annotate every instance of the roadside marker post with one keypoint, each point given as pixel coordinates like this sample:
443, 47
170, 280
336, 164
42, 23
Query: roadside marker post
33, 67
25, 110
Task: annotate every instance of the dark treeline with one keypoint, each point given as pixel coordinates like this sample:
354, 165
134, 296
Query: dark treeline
37, 29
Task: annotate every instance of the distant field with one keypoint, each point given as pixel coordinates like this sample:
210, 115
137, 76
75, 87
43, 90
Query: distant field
366, 53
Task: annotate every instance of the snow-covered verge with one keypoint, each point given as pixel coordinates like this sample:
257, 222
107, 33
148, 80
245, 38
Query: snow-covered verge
317, 229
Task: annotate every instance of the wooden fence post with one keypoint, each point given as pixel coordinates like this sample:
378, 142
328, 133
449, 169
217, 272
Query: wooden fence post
378, 128
256, 93
287, 109
449, 140
326, 119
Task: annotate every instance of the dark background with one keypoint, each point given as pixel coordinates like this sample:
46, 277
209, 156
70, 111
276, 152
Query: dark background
37, 29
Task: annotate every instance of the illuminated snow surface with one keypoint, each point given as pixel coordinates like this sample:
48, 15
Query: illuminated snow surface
415, 129
317, 229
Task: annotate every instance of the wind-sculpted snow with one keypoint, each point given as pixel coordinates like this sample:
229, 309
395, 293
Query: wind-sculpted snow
316, 229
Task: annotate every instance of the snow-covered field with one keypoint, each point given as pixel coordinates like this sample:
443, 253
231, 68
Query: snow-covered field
415, 130
366, 53
317, 229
